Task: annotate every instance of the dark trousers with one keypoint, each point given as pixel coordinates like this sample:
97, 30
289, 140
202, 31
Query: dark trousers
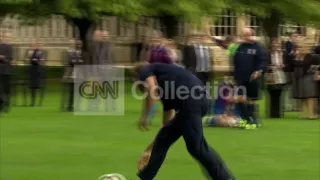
67, 100
34, 92
187, 123
71, 96
5, 92
275, 102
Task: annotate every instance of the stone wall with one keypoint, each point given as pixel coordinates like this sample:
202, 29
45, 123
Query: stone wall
55, 35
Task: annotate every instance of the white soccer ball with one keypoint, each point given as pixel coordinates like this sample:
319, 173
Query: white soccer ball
113, 176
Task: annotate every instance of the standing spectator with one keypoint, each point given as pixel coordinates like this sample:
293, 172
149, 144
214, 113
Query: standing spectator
204, 65
290, 53
101, 48
249, 63
74, 56
36, 72
305, 87
189, 56
5, 72
317, 77
275, 80
102, 59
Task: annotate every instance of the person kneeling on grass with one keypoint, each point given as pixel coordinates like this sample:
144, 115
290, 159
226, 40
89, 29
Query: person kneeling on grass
225, 114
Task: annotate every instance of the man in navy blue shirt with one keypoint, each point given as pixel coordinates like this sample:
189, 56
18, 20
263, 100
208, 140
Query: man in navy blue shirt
250, 61
185, 102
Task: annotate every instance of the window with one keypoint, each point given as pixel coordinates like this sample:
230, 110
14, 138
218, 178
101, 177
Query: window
105, 23
124, 27
286, 29
226, 24
254, 23
181, 29
59, 26
21, 29
49, 28
141, 27
26, 31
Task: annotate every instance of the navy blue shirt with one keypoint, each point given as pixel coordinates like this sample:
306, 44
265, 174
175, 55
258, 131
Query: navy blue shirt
175, 83
250, 57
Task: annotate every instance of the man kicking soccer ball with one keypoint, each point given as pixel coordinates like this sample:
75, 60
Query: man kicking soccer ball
184, 94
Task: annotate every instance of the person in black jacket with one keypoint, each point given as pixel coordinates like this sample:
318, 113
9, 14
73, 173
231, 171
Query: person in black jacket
5, 73
317, 77
249, 61
74, 56
305, 88
36, 72
289, 55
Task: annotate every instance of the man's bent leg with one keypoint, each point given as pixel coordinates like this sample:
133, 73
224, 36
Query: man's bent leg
197, 146
167, 135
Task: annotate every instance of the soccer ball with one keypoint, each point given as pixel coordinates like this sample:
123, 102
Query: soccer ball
113, 176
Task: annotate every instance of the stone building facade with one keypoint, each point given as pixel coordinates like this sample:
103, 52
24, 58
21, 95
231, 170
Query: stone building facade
55, 32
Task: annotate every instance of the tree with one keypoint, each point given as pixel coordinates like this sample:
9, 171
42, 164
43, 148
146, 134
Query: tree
171, 12
84, 13
274, 12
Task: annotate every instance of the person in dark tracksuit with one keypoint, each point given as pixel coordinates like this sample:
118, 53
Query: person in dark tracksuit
74, 57
250, 60
101, 57
5, 75
189, 107
36, 72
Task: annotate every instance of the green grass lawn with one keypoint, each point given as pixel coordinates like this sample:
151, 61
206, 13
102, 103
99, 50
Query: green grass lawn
43, 143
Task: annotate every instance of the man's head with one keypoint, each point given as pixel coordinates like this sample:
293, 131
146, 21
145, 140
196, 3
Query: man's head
104, 35
294, 36
275, 44
248, 34
97, 35
229, 40
78, 44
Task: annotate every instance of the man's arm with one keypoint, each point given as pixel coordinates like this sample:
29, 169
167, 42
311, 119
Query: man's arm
262, 60
152, 96
167, 116
219, 42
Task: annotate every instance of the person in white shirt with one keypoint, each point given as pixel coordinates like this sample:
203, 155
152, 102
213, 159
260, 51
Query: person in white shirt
275, 80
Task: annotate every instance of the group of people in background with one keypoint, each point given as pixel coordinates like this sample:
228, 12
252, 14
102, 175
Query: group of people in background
290, 72
293, 78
